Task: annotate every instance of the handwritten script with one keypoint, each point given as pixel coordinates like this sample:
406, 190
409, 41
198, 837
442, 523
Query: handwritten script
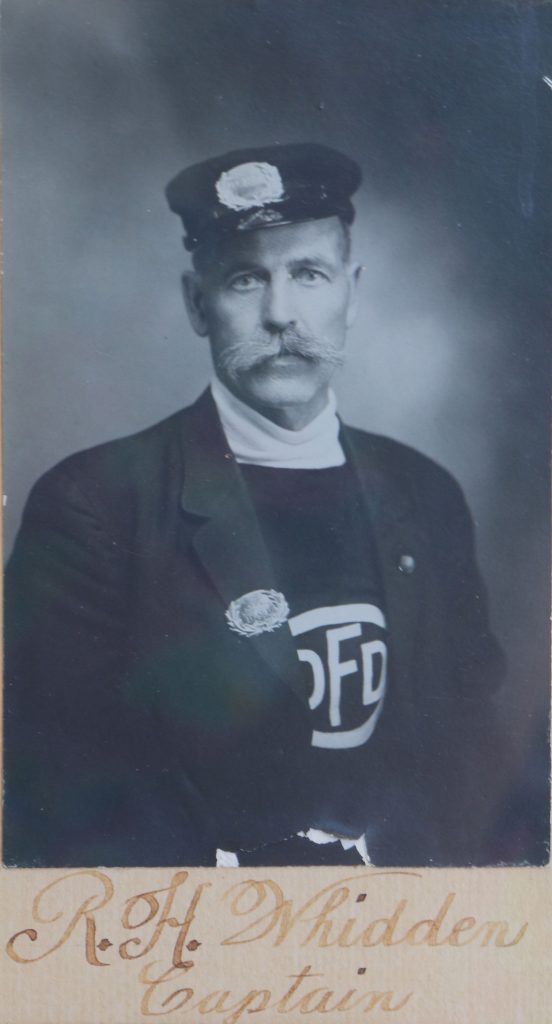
162, 929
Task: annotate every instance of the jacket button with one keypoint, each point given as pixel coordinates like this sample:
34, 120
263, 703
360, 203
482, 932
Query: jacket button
407, 564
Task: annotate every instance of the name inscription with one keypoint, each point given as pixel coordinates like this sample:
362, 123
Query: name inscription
166, 922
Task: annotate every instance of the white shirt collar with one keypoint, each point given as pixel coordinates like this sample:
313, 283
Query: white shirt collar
256, 440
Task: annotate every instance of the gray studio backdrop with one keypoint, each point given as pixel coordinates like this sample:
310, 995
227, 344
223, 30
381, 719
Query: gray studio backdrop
443, 104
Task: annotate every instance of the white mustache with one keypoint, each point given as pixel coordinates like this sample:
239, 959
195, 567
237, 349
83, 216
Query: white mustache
245, 355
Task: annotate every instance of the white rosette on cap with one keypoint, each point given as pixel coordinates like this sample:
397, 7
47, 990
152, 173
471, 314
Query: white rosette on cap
250, 185
259, 611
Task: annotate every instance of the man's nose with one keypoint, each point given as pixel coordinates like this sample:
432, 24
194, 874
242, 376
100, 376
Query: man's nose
278, 310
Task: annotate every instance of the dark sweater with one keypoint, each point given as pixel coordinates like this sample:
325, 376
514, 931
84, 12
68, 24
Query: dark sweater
316, 530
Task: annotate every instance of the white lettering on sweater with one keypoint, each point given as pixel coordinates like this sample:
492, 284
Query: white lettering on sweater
343, 624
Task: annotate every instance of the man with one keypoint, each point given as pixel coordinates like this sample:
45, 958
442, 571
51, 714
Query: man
250, 634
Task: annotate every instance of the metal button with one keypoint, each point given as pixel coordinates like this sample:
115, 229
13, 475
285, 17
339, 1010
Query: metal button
407, 564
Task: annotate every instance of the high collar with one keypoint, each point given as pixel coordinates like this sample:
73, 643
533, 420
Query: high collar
256, 440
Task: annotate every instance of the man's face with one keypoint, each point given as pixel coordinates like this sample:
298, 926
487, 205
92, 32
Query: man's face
276, 304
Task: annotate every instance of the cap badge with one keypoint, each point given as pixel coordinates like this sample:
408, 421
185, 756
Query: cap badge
259, 611
259, 218
249, 185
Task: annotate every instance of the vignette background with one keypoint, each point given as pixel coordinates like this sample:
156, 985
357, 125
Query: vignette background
445, 107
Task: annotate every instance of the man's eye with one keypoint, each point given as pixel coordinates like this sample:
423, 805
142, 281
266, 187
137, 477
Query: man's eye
308, 275
245, 282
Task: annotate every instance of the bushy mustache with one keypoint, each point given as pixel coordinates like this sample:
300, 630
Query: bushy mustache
247, 354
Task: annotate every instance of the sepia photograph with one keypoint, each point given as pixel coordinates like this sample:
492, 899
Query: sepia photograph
276, 433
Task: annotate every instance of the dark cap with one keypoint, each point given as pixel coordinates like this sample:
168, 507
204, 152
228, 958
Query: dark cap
257, 188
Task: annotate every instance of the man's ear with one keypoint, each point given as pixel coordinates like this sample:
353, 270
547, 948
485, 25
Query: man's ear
195, 303
354, 271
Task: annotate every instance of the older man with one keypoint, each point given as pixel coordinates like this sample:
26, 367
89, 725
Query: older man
250, 634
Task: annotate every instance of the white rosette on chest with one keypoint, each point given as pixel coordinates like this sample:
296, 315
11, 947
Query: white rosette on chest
259, 611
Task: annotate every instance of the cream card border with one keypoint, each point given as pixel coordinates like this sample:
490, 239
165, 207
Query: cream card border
470, 945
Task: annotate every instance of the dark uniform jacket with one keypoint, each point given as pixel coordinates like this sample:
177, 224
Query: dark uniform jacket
140, 730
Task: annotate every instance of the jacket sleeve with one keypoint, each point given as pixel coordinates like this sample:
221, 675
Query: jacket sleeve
88, 773
64, 643
476, 656
472, 750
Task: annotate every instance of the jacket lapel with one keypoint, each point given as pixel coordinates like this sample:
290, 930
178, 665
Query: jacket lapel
400, 546
228, 541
